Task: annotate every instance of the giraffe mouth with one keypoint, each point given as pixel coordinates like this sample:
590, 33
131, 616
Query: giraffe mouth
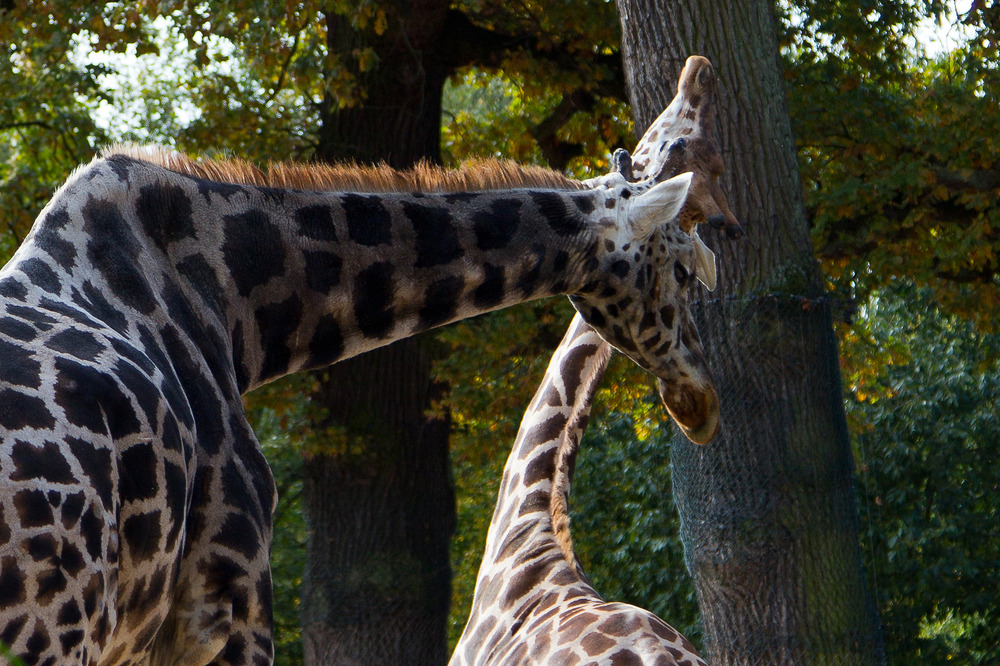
695, 410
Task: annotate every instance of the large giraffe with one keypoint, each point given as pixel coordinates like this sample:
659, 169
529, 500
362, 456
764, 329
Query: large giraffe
533, 603
153, 291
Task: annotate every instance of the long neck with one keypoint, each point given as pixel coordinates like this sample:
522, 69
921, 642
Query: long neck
531, 513
301, 279
403, 263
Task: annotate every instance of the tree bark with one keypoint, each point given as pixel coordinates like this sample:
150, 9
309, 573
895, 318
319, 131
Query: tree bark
378, 493
768, 512
381, 512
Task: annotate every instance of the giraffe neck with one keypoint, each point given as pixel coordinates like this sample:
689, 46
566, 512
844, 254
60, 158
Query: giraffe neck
291, 279
531, 518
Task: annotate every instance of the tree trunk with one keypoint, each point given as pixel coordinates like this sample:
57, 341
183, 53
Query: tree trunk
381, 512
378, 494
769, 522
392, 111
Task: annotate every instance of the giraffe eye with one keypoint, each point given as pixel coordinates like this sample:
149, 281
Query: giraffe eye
680, 272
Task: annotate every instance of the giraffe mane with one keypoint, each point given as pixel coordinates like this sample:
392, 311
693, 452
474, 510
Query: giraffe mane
559, 497
566, 457
474, 175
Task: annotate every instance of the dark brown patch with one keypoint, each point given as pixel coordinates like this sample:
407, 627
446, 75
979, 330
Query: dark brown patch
625, 658
664, 631
545, 431
573, 628
525, 580
595, 644
540, 468
619, 624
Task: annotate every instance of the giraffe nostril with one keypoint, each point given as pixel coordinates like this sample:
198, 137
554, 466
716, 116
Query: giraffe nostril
717, 221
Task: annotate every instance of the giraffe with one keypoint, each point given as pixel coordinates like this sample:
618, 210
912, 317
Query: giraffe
154, 290
532, 603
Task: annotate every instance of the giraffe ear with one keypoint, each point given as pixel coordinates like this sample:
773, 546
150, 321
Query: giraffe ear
659, 204
704, 261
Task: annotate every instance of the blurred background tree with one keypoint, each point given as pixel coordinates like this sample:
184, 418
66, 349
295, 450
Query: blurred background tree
898, 152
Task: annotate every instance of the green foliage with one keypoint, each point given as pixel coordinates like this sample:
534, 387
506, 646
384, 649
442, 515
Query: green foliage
484, 115
497, 115
927, 435
624, 523
45, 122
899, 154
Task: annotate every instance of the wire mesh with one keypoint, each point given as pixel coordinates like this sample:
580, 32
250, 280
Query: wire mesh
768, 516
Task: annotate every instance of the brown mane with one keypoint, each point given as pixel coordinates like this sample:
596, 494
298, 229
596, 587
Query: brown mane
474, 175
569, 445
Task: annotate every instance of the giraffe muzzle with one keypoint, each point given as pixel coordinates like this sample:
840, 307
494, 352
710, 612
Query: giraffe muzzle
695, 410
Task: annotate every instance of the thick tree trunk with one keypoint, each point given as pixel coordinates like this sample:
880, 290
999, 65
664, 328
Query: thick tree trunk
381, 513
769, 520
378, 494
389, 110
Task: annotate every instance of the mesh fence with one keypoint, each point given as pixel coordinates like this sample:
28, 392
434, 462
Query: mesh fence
767, 510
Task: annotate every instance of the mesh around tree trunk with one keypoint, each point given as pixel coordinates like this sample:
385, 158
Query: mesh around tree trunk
768, 513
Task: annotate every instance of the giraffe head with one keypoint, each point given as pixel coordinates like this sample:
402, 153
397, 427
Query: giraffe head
682, 139
648, 266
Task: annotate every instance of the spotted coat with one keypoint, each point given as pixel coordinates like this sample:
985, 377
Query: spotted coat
152, 291
533, 603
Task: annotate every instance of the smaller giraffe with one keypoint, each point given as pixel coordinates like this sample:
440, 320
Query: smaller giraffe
533, 603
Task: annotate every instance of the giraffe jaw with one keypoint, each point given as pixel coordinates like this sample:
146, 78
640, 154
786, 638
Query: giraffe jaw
695, 411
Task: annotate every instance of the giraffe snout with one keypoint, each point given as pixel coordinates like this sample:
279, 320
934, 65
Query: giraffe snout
695, 409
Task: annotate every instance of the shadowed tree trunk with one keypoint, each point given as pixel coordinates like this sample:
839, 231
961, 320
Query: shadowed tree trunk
768, 516
381, 513
379, 496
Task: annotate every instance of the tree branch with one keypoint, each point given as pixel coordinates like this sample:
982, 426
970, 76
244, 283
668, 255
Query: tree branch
470, 44
284, 69
26, 123
558, 153
983, 179
968, 275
